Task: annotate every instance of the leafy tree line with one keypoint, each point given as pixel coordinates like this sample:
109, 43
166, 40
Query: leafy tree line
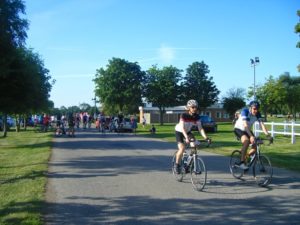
24, 81
277, 96
122, 86
281, 95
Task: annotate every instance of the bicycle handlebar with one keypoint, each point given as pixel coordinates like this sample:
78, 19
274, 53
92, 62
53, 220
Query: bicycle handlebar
261, 140
208, 141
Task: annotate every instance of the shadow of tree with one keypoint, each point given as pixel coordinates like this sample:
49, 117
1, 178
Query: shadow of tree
148, 210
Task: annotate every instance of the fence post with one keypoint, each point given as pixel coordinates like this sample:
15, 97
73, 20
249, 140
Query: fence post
285, 127
272, 130
293, 132
256, 129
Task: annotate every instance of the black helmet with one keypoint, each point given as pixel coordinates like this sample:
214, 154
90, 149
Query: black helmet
254, 104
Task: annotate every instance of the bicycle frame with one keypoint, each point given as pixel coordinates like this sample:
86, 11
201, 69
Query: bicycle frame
258, 142
191, 163
261, 165
192, 157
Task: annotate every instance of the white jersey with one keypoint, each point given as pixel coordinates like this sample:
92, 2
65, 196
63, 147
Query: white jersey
246, 116
188, 122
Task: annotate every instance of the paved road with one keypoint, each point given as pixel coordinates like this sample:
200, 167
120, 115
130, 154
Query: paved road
126, 179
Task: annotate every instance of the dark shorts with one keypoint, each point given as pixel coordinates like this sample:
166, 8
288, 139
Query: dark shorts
180, 137
239, 133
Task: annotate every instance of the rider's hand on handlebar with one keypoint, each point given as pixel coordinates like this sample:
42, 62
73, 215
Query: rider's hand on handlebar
271, 140
208, 140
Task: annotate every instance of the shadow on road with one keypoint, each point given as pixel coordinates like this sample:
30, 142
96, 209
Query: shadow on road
146, 210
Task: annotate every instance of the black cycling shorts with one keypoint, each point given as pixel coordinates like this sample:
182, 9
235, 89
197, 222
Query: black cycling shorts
239, 133
180, 137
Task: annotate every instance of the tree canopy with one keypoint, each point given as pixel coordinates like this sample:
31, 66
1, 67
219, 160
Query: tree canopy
162, 87
24, 81
119, 86
234, 100
199, 86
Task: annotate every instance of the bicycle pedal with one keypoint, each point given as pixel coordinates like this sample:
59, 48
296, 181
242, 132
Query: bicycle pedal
197, 172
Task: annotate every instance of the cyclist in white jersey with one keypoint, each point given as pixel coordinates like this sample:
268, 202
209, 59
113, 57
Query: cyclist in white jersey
184, 127
242, 129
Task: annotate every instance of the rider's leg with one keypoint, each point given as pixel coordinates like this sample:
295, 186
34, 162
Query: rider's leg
179, 153
245, 144
252, 150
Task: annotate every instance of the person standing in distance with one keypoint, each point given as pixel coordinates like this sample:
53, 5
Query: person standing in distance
183, 130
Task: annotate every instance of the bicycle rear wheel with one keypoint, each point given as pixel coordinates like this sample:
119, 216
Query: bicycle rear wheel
178, 176
198, 173
235, 159
262, 171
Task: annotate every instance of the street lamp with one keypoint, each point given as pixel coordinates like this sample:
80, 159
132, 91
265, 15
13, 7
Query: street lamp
254, 62
95, 101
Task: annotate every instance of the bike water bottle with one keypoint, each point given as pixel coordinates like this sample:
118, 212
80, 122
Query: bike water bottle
185, 158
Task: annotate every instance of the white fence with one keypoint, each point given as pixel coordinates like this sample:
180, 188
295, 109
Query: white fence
286, 128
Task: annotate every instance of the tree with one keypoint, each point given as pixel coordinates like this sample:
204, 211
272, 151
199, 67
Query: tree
197, 85
12, 35
12, 32
27, 86
162, 87
85, 107
271, 96
292, 87
119, 86
234, 100
297, 31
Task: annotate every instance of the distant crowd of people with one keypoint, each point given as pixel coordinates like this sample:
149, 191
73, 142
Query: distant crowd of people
67, 124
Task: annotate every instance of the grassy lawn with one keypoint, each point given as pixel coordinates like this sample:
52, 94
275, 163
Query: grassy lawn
282, 153
24, 158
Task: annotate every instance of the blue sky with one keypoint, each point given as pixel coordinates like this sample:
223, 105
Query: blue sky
77, 37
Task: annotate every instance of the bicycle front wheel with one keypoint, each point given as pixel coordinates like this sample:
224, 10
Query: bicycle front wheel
262, 171
235, 159
178, 176
198, 173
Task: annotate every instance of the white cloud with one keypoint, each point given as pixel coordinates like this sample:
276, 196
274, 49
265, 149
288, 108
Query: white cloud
166, 54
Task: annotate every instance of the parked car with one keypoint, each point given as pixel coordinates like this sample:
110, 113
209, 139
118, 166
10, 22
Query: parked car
10, 123
126, 125
208, 124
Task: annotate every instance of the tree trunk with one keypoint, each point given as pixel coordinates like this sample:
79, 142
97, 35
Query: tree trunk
4, 125
161, 114
17, 123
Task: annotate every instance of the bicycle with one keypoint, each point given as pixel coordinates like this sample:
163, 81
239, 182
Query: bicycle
261, 165
192, 163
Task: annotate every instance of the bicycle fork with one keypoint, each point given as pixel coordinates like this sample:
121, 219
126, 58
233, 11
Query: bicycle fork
196, 166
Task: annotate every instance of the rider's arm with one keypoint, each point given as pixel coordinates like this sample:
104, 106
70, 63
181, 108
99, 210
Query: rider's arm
247, 129
201, 130
263, 127
203, 134
181, 124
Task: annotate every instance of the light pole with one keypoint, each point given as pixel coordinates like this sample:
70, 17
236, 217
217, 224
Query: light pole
95, 100
254, 62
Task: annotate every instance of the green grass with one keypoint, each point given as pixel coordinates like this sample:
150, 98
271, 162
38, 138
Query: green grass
24, 158
282, 153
